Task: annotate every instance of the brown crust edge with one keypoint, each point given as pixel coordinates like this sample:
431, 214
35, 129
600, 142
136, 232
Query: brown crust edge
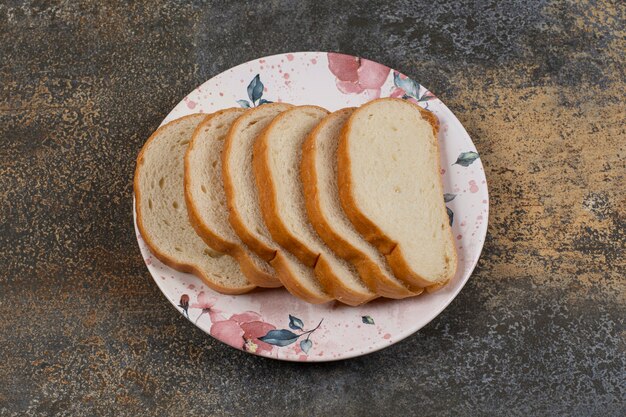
366, 227
265, 251
276, 257
254, 274
369, 271
327, 278
268, 197
281, 264
182, 267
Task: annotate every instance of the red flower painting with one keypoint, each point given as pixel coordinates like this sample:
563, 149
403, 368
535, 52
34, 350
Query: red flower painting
356, 75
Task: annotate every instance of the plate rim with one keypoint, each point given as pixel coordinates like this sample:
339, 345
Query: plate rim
374, 346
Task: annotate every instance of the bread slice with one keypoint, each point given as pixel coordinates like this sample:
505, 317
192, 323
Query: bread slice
276, 163
321, 195
206, 201
162, 216
243, 204
390, 188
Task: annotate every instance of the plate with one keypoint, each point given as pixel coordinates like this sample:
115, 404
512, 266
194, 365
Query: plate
314, 333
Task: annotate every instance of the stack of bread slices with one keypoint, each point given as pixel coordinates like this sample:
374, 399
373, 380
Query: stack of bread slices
343, 206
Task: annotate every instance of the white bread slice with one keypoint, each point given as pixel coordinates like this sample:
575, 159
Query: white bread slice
240, 187
390, 188
162, 216
206, 201
276, 162
243, 204
321, 195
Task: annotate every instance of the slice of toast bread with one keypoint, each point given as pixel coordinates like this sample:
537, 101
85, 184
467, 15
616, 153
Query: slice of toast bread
321, 194
162, 216
390, 188
244, 209
206, 201
239, 184
276, 162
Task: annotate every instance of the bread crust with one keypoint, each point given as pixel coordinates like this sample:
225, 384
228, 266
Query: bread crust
370, 272
172, 262
269, 199
369, 230
269, 208
265, 251
273, 254
327, 278
288, 277
254, 274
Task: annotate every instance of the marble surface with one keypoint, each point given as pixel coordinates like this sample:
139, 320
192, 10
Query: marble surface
538, 330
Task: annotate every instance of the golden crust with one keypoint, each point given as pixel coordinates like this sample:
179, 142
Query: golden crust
328, 279
272, 254
269, 199
288, 277
265, 251
254, 274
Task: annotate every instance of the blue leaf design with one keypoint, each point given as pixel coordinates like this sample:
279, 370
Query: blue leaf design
466, 158
255, 89
367, 320
263, 101
306, 345
448, 197
295, 323
281, 337
450, 215
410, 87
244, 104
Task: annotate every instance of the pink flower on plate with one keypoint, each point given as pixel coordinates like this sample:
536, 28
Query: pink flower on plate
242, 331
399, 93
252, 331
246, 317
355, 75
206, 303
229, 332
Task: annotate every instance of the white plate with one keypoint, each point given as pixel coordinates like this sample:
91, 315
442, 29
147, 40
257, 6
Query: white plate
333, 331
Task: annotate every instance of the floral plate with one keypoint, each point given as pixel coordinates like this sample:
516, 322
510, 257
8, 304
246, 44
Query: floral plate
273, 323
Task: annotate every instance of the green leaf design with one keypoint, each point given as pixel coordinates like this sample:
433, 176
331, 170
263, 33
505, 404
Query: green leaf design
244, 103
367, 320
466, 158
450, 215
306, 345
447, 197
263, 101
255, 89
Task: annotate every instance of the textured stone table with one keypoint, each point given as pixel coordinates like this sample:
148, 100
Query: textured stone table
539, 328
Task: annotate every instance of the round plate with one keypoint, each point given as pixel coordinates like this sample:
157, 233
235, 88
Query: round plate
306, 332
